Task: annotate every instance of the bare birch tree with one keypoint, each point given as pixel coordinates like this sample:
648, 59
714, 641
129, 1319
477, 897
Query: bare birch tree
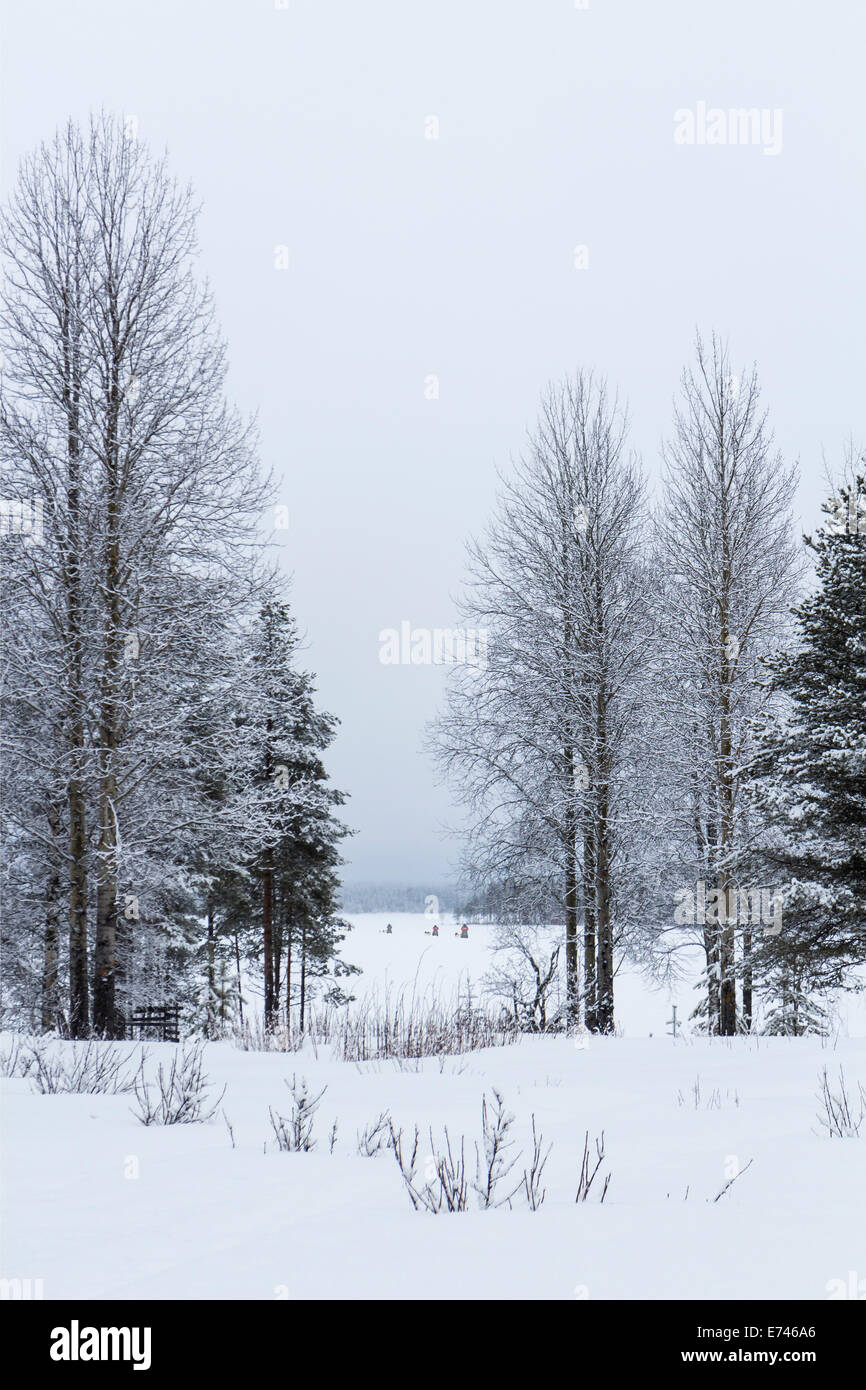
730, 571
114, 417
542, 742
46, 243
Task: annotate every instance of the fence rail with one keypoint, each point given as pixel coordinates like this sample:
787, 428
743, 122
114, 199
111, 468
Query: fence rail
156, 1021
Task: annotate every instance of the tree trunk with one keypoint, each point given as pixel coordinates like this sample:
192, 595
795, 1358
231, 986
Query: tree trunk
605, 937
268, 937
210, 1029
728, 990
747, 980
106, 1019
50, 997
240, 989
602, 872
278, 954
79, 1002
572, 986
303, 973
712, 935
590, 915
289, 976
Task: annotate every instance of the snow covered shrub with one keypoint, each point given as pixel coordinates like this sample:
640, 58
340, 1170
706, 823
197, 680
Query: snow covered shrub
532, 1176
841, 1114
255, 1037
179, 1095
587, 1173
395, 1026
444, 1184
83, 1068
375, 1137
294, 1134
448, 1187
492, 1165
408, 1027
16, 1059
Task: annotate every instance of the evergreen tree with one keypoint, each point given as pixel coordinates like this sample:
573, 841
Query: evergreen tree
813, 766
795, 1010
284, 813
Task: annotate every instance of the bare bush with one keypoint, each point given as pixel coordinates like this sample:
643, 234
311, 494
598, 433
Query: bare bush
375, 1137
841, 1114
16, 1059
294, 1133
253, 1036
449, 1187
532, 1176
92, 1068
492, 1165
406, 1161
525, 975
398, 1026
589, 1171
403, 1026
444, 1185
180, 1094
446, 1188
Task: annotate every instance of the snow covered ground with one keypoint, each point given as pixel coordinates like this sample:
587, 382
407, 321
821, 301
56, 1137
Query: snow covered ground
97, 1205
448, 967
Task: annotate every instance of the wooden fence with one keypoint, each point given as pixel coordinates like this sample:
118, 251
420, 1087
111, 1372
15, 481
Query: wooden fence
156, 1021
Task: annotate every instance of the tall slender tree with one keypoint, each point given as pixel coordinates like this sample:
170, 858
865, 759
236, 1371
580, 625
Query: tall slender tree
730, 567
45, 237
285, 809
542, 741
114, 420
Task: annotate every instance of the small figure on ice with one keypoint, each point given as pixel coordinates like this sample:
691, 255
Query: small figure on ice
436, 929
389, 930
463, 933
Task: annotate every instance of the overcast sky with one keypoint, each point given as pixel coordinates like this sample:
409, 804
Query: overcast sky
308, 127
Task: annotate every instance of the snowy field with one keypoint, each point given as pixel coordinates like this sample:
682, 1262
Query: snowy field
412, 960
97, 1205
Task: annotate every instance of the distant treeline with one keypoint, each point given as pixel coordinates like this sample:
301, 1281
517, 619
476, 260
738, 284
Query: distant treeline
400, 897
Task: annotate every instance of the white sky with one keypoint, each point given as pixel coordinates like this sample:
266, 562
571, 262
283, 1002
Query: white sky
305, 126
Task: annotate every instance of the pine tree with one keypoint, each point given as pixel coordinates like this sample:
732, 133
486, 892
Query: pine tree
284, 813
795, 1010
813, 766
